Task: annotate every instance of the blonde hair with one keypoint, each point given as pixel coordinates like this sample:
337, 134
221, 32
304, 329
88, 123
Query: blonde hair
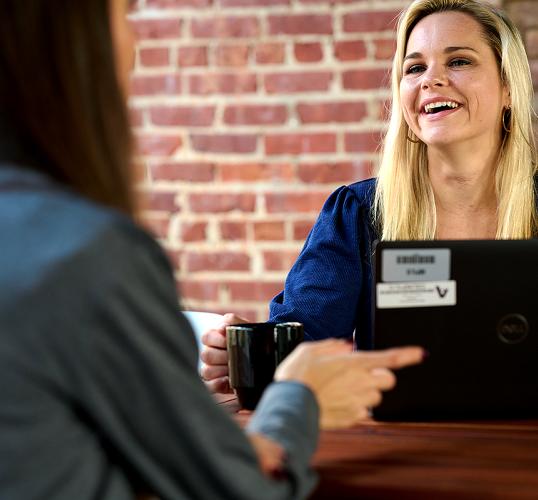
404, 202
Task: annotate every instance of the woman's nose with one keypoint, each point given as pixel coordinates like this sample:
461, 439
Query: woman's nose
434, 76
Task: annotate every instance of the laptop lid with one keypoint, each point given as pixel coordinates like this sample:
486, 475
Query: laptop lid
473, 305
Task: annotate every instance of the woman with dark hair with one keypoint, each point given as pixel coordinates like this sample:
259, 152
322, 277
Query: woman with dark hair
456, 164
98, 383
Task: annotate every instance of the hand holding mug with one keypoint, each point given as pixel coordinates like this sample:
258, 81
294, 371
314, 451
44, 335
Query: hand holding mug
215, 356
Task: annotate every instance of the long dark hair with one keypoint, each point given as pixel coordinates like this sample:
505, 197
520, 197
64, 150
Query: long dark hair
58, 86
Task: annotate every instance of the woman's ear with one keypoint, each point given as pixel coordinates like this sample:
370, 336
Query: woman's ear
507, 99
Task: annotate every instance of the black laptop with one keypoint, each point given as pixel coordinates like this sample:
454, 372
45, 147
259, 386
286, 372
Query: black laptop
473, 305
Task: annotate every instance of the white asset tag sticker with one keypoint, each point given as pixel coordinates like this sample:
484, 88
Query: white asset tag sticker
416, 294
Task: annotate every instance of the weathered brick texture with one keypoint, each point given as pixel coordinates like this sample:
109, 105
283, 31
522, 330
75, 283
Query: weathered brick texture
248, 114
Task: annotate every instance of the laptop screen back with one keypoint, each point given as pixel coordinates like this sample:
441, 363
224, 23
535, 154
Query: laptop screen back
473, 305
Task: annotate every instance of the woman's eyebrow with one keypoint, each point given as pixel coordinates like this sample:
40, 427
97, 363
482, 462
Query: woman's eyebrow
448, 50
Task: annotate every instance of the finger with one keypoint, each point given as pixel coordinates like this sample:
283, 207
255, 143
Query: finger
231, 319
219, 386
214, 338
211, 372
343, 418
212, 356
227, 320
383, 378
372, 398
394, 358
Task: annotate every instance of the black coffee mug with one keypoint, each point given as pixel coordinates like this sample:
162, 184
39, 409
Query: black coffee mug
254, 352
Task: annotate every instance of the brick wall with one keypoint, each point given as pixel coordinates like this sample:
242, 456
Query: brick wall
249, 113
525, 15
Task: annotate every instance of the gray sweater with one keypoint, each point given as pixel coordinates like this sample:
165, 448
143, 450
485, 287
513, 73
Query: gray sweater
99, 391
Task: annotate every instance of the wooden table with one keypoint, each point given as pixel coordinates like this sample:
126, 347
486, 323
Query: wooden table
478, 460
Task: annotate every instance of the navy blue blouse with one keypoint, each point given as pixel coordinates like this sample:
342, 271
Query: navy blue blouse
329, 287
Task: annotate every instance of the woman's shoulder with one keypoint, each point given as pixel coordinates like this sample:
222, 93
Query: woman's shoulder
51, 228
363, 190
358, 196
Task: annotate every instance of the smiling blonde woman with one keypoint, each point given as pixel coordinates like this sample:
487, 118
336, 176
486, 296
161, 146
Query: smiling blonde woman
406, 202
456, 164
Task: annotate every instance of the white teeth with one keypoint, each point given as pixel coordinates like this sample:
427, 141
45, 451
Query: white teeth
428, 108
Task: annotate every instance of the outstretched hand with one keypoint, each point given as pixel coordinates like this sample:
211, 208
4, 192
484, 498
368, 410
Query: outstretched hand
345, 383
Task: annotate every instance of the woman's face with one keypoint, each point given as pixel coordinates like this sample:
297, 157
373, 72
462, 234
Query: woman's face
451, 90
124, 40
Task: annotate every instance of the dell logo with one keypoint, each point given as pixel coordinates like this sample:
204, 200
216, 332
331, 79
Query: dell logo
512, 328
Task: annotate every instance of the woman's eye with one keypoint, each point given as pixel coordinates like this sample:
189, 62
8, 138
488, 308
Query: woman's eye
414, 69
460, 62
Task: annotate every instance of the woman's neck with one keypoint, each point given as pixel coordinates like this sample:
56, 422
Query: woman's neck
464, 190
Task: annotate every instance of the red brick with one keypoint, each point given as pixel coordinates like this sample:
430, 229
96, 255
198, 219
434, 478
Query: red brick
193, 231
297, 24
221, 202
217, 261
224, 143
254, 290
197, 4
277, 83
192, 56
189, 172
343, 172
158, 145
157, 225
308, 52
279, 261
384, 49
251, 172
341, 112
232, 55
200, 290
365, 78
365, 21
162, 201
183, 116
232, 231
531, 43
225, 27
270, 53
350, 50
295, 201
361, 142
271, 231
157, 28
154, 85
136, 117
158, 56
524, 14
253, 3
255, 115
211, 83
302, 228
300, 143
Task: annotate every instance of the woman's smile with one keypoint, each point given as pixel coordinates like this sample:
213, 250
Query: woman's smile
435, 109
